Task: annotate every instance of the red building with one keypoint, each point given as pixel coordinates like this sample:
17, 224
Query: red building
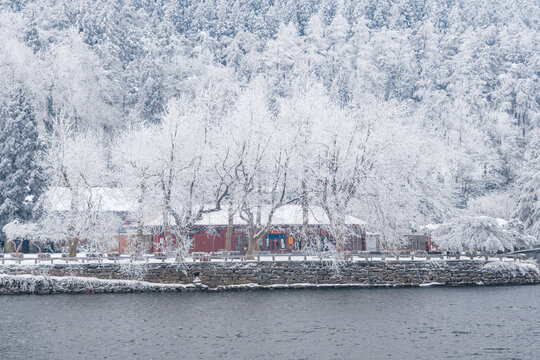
209, 233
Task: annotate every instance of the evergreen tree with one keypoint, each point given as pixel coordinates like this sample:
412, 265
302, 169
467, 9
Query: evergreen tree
21, 179
528, 207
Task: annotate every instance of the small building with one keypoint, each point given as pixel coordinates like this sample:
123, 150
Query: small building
209, 233
108, 208
117, 205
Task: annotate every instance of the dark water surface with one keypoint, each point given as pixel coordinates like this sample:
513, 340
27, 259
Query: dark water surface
426, 323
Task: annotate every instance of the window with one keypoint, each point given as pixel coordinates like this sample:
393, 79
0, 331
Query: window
240, 242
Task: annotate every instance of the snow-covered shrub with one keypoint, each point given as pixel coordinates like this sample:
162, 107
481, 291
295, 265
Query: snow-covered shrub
514, 268
484, 233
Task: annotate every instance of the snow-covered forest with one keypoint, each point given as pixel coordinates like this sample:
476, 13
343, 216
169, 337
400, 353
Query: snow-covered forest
401, 113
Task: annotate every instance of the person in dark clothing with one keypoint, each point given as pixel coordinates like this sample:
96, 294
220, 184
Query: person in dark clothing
427, 246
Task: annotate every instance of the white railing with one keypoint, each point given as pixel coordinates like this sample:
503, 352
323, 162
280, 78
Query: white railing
29, 259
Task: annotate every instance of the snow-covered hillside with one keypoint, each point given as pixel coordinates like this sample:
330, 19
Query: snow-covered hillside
400, 113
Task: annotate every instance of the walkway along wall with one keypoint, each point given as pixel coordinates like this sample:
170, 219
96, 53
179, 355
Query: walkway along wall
227, 276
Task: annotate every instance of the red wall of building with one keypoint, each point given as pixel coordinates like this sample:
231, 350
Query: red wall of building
158, 240
205, 242
214, 241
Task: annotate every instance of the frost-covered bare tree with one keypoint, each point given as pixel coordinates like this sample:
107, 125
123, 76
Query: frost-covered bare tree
299, 114
405, 186
76, 164
185, 180
263, 162
135, 162
321, 156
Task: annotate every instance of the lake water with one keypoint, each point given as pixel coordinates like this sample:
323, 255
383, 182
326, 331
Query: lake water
415, 323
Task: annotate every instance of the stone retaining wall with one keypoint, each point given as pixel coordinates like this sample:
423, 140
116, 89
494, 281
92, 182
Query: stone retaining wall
227, 275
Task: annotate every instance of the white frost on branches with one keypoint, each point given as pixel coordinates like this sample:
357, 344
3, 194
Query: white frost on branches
484, 233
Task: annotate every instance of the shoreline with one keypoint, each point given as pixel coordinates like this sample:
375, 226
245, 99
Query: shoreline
216, 277
55, 285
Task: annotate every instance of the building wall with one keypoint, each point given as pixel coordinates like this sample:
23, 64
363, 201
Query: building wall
286, 239
204, 241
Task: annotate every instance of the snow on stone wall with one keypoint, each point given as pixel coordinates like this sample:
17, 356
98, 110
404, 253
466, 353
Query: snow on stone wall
83, 278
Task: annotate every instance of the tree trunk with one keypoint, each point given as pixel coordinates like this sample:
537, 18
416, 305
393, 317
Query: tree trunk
229, 235
138, 246
72, 247
73, 241
228, 238
36, 245
257, 242
305, 215
166, 231
339, 239
251, 244
8, 246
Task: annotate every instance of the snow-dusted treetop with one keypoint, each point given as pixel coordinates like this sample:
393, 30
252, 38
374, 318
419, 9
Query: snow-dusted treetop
470, 233
177, 99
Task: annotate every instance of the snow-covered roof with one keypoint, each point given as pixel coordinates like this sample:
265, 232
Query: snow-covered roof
122, 200
290, 214
103, 198
218, 218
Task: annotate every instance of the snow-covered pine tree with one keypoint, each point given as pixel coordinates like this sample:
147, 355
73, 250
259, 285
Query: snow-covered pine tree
21, 179
528, 207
